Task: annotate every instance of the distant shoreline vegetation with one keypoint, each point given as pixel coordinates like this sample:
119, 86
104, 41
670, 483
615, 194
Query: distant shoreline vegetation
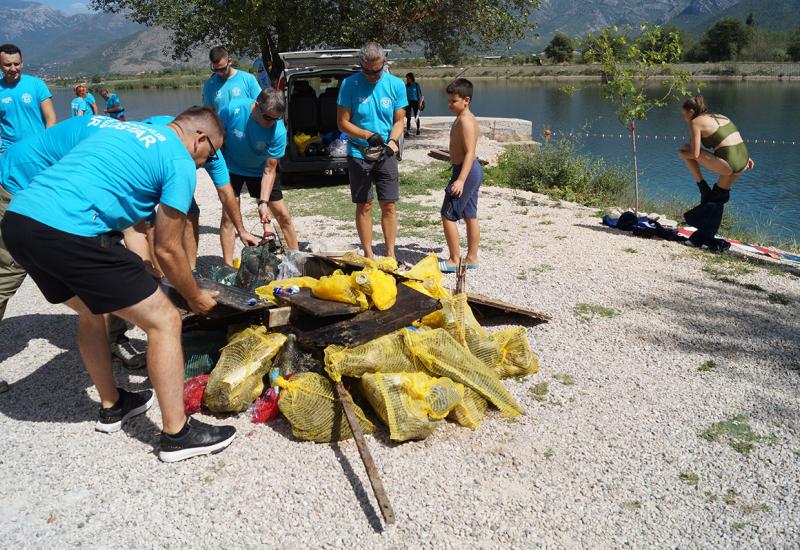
515, 67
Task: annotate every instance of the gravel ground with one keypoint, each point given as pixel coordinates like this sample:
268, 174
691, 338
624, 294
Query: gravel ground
608, 453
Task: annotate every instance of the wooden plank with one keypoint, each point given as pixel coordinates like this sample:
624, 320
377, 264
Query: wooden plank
444, 154
486, 307
366, 457
279, 316
368, 325
230, 301
308, 304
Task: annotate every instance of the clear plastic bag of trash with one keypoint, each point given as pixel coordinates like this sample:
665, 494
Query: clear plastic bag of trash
292, 264
338, 148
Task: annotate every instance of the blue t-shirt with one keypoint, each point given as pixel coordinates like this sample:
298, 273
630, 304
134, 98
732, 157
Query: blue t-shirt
248, 145
33, 155
90, 100
218, 93
372, 106
217, 169
111, 181
20, 111
413, 91
79, 104
113, 101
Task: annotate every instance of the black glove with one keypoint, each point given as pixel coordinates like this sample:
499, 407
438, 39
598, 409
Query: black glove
375, 140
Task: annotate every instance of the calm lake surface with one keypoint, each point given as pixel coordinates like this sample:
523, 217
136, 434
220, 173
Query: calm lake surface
768, 197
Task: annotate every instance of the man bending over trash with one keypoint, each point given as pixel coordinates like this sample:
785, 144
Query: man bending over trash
72, 250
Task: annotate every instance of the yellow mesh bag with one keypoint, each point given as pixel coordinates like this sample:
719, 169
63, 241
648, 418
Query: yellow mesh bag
237, 380
267, 291
441, 355
516, 358
338, 287
309, 402
378, 285
388, 353
409, 402
469, 412
462, 325
385, 263
431, 278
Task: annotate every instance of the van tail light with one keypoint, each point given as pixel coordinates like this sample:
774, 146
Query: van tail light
282, 83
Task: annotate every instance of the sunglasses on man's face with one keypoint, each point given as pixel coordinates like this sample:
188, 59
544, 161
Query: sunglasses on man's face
268, 118
213, 154
372, 73
222, 69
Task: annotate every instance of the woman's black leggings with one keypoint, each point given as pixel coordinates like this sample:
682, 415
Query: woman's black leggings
411, 112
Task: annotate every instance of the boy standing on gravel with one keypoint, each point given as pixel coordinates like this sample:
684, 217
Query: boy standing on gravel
461, 194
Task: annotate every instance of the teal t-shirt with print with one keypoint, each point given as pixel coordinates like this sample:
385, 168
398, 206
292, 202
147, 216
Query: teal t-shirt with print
111, 181
247, 144
20, 110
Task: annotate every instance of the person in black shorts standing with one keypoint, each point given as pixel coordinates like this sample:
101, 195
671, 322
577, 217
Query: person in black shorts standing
371, 109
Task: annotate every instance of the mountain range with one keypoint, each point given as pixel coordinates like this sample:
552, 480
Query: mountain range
57, 43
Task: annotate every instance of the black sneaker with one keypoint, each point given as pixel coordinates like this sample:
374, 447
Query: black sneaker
129, 405
198, 439
3, 386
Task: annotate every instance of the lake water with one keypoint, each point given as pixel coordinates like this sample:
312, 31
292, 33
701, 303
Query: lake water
765, 112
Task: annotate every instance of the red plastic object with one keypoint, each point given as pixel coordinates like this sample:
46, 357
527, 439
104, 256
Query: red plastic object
193, 393
265, 407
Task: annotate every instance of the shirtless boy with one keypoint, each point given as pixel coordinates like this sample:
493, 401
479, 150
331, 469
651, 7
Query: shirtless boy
461, 194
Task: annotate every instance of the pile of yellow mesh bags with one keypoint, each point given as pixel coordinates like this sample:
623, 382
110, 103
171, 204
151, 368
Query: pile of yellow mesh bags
446, 366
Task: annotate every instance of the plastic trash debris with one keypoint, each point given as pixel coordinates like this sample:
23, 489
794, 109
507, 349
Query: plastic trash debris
193, 393
265, 408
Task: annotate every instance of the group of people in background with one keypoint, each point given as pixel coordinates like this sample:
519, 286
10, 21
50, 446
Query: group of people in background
84, 103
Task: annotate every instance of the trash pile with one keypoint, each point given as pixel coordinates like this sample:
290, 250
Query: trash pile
333, 144
445, 366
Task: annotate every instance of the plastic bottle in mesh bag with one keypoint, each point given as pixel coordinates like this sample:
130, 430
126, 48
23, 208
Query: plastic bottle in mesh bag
259, 267
470, 410
409, 403
339, 287
238, 378
441, 355
515, 356
388, 353
312, 408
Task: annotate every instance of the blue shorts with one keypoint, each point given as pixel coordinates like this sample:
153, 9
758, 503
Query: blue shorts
465, 205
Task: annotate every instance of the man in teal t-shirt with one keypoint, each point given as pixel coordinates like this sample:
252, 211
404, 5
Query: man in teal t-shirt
371, 109
23, 162
218, 171
114, 107
227, 83
71, 248
26, 105
255, 139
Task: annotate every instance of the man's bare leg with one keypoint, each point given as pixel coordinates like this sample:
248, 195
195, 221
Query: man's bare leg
93, 347
389, 225
364, 226
159, 319
227, 237
281, 213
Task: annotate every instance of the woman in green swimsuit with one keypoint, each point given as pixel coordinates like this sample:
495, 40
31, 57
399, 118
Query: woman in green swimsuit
725, 154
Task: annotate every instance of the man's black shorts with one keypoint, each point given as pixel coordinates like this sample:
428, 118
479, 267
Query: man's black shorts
104, 274
253, 184
383, 172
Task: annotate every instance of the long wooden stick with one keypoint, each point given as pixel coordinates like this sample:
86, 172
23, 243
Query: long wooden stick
366, 456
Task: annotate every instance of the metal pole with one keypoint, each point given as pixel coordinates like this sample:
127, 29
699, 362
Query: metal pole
635, 168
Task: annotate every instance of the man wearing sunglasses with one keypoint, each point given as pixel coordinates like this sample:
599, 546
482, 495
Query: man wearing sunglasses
67, 237
227, 83
371, 110
255, 140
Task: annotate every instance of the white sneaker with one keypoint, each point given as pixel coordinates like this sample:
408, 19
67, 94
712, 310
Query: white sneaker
128, 355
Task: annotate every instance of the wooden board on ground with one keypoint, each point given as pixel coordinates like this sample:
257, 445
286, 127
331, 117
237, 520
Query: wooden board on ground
231, 301
317, 266
444, 154
488, 308
368, 325
310, 305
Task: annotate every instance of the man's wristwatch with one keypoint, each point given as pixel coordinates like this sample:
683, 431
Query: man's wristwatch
262, 201
397, 143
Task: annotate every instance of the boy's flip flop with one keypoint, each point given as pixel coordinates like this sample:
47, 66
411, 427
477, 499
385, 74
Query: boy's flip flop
473, 266
444, 267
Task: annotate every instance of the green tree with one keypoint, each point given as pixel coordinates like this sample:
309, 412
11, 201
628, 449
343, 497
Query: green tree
750, 21
560, 49
726, 38
793, 49
267, 27
630, 65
